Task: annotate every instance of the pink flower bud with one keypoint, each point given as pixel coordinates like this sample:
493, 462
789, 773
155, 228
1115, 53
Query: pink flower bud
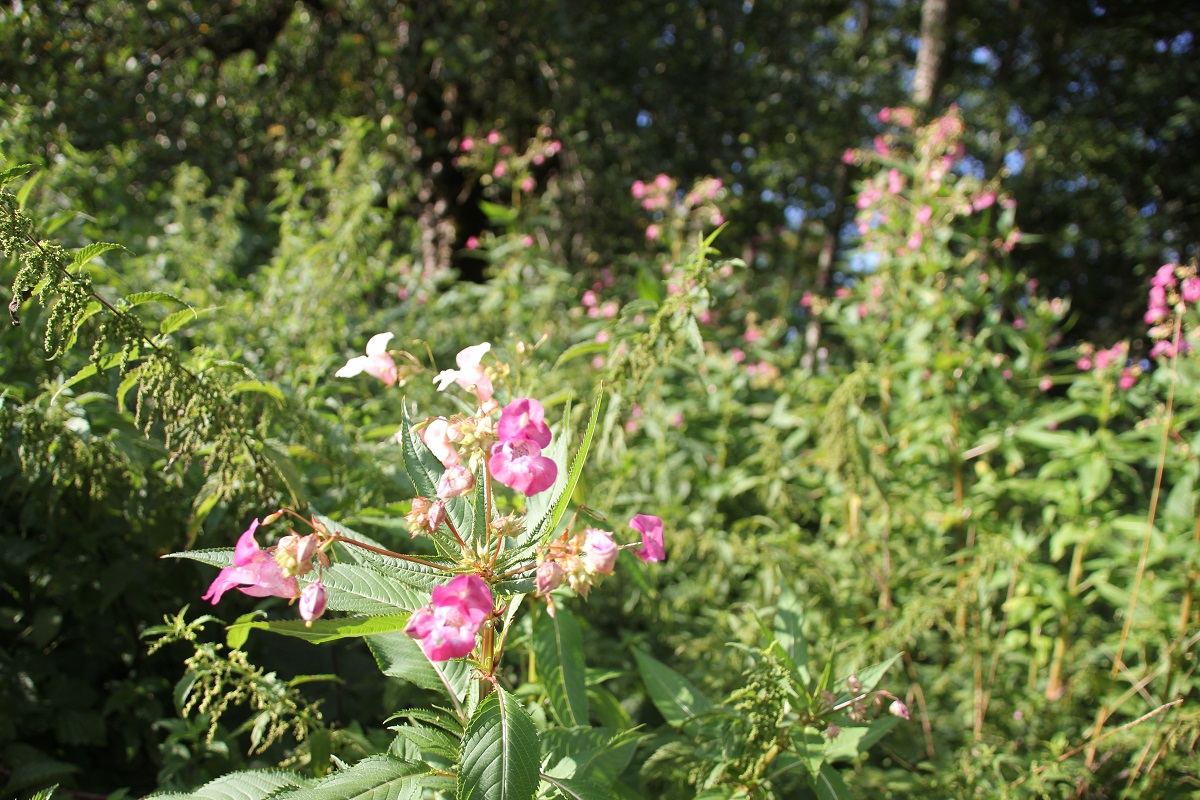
312, 601
601, 551
898, 709
549, 577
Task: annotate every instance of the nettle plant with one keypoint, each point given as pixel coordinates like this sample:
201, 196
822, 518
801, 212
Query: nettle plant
492, 500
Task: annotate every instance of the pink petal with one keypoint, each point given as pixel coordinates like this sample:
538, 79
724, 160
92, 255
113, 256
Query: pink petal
524, 419
651, 528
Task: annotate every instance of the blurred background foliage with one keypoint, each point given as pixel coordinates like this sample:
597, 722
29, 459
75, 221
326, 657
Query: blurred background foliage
866, 418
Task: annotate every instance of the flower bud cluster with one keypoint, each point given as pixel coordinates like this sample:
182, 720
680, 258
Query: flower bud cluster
696, 209
580, 559
1172, 289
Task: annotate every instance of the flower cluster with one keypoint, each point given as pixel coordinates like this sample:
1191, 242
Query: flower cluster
580, 559
1172, 289
497, 162
272, 572
488, 447
1103, 360
695, 210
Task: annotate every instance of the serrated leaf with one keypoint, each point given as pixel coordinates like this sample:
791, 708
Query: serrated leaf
544, 528
675, 697
429, 740
325, 630
809, 746
365, 589
85, 254
12, 173
176, 320
141, 298
499, 752
254, 785
558, 648
374, 778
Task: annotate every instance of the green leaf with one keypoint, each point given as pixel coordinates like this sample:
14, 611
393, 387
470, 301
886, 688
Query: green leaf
581, 350
325, 630
256, 785
106, 363
429, 740
366, 589
558, 648
499, 752
830, 785
85, 254
675, 697
498, 215
12, 173
374, 778
789, 630
809, 746
870, 676
544, 527
176, 320
399, 656
140, 298
577, 789
269, 389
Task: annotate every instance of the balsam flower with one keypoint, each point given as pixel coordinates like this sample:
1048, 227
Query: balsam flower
469, 374
436, 437
254, 572
651, 528
448, 625
377, 362
517, 460
455, 482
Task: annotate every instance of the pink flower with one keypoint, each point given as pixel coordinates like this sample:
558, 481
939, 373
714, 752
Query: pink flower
1127, 380
467, 144
1191, 290
1084, 363
524, 419
652, 233
806, 300
638, 190
377, 362
651, 528
924, 214
895, 182
601, 551
662, 181
472, 243
1046, 383
254, 572
448, 625
312, 601
522, 466
455, 482
436, 437
983, 201
528, 185
493, 137
898, 709
1164, 277
469, 374
737, 355
501, 170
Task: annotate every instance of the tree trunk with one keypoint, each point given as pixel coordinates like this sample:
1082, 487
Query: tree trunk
931, 55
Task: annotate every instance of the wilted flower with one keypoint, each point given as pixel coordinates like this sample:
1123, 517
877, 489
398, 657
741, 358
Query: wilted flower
254, 572
426, 515
377, 362
455, 482
448, 625
549, 577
